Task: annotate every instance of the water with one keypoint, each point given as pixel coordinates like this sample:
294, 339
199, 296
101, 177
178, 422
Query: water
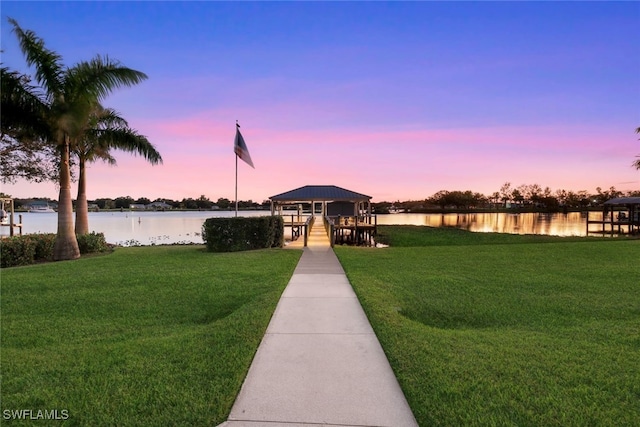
556, 224
157, 228
130, 228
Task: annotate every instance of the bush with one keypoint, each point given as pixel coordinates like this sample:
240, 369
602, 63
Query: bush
32, 248
44, 246
92, 242
17, 250
243, 233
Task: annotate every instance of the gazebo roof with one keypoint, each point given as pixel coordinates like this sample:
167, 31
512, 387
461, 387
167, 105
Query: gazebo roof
316, 193
623, 201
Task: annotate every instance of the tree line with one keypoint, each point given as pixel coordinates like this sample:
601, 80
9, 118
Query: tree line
125, 202
525, 196
201, 203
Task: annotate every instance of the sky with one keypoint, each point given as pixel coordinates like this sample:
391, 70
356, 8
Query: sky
395, 100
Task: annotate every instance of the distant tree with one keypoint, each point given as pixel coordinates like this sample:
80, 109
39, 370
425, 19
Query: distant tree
495, 198
189, 204
458, 199
143, 201
123, 202
247, 204
505, 193
441, 198
575, 200
203, 202
603, 196
223, 203
105, 203
534, 193
517, 196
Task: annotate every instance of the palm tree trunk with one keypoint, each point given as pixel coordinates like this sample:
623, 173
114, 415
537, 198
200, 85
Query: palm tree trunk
66, 245
82, 208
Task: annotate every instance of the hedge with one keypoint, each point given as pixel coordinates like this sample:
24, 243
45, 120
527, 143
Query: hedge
32, 248
243, 233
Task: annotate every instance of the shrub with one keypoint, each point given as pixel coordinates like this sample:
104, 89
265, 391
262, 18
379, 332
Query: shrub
92, 242
32, 248
17, 250
44, 246
243, 233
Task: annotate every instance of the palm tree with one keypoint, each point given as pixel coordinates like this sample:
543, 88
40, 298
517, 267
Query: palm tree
67, 98
106, 130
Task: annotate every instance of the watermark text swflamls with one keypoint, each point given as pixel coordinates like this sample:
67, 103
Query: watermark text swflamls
35, 414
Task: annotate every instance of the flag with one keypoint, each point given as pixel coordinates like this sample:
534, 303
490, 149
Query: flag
240, 148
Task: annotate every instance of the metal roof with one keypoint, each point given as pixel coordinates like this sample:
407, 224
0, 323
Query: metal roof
623, 201
314, 193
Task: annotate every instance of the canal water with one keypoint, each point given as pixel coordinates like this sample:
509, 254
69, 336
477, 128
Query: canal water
174, 227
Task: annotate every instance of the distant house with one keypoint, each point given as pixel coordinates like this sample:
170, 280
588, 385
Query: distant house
159, 206
137, 206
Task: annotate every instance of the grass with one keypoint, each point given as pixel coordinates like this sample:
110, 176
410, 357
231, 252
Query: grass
150, 336
494, 329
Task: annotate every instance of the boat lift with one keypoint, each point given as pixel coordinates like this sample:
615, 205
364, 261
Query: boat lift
7, 216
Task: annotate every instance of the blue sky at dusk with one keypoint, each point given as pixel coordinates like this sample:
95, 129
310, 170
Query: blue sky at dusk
397, 100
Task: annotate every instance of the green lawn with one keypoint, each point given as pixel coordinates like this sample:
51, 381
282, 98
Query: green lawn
151, 336
506, 330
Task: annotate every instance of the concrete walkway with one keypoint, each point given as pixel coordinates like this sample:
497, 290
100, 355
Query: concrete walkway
320, 363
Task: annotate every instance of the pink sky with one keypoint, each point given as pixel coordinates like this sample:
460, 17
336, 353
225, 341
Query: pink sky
393, 100
387, 164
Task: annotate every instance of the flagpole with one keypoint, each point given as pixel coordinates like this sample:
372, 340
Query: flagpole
241, 150
236, 172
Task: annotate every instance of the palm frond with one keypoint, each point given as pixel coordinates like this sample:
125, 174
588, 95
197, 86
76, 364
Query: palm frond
110, 118
99, 77
23, 110
49, 70
130, 141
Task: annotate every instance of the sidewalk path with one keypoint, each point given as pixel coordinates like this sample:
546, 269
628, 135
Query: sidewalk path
320, 363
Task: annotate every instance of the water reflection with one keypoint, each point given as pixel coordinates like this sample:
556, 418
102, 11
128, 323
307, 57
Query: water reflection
153, 228
556, 224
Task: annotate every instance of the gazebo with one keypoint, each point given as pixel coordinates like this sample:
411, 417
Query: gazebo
345, 214
331, 200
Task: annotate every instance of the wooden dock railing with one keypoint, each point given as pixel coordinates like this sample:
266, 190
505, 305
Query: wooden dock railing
616, 221
300, 226
351, 230
307, 228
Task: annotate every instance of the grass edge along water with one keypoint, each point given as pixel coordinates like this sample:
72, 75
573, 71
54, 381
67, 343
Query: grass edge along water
492, 329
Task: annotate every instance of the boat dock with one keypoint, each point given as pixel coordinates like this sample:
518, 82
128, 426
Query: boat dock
7, 218
359, 231
619, 216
